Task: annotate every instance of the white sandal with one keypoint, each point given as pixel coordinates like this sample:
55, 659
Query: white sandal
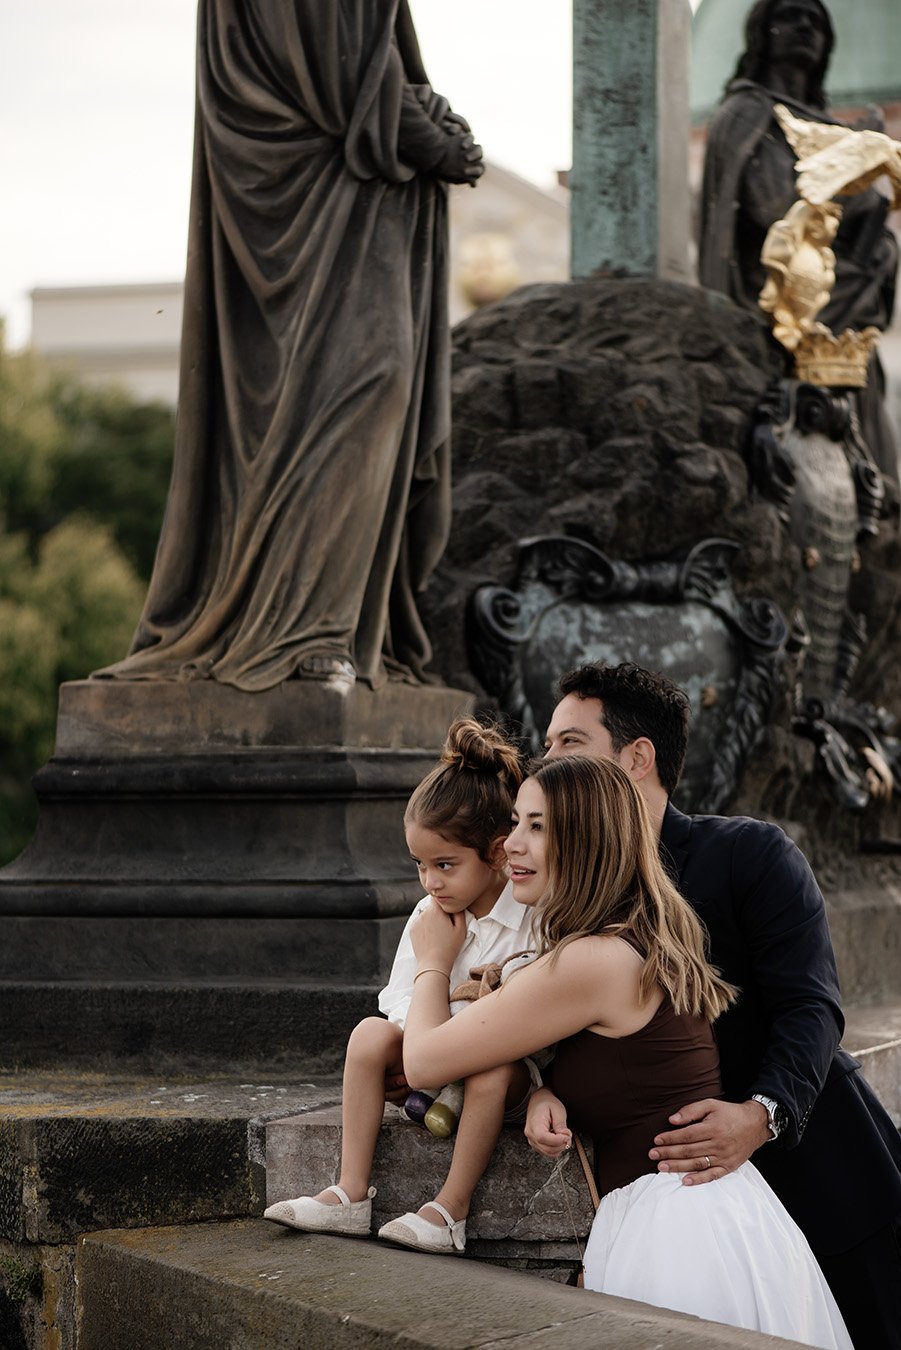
412, 1230
352, 1218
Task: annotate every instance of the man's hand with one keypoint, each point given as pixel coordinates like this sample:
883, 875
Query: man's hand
715, 1138
545, 1126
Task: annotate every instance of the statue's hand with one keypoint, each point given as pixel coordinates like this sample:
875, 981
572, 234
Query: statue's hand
454, 124
462, 162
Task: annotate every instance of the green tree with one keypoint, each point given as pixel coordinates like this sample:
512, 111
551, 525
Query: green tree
113, 460
83, 477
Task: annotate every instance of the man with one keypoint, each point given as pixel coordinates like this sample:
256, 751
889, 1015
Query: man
836, 1162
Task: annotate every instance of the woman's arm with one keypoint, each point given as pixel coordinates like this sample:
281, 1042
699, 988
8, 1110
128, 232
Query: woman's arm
593, 980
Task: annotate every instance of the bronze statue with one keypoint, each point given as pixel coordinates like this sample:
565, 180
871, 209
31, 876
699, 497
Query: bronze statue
310, 493
750, 182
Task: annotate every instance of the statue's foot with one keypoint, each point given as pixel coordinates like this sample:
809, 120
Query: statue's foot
325, 666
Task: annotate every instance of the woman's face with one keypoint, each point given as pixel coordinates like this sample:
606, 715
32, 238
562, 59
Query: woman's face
526, 843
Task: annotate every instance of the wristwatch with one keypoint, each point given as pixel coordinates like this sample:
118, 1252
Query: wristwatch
777, 1116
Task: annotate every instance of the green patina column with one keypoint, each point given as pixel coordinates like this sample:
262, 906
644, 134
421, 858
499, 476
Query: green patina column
630, 194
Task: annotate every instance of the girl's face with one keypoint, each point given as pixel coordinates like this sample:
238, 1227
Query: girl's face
526, 843
453, 875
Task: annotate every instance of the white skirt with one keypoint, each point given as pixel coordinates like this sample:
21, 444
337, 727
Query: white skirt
726, 1251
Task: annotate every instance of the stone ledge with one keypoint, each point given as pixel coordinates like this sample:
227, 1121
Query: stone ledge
524, 1206
865, 925
187, 1027
873, 1035
81, 1152
102, 947
140, 717
252, 1284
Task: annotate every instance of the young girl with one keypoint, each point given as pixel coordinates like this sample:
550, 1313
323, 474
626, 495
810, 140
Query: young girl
624, 989
455, 824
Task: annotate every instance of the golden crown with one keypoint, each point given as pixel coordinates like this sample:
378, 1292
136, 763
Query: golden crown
835, 362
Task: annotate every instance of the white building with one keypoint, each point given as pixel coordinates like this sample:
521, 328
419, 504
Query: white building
127, 335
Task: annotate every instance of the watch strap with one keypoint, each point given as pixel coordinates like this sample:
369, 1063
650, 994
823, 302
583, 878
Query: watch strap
774, 1113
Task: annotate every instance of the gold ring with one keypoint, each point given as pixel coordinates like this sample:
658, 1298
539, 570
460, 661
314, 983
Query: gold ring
707, 1160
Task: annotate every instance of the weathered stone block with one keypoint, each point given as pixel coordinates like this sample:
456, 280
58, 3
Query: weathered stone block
252, 1286
523, 1198
874, 1037
81, 947
81, 1154
181, 1027
199, 799
865, 925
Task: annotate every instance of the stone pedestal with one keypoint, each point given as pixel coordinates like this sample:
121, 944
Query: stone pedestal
200, 800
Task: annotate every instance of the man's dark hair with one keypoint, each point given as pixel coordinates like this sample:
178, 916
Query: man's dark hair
754, 59
637, 703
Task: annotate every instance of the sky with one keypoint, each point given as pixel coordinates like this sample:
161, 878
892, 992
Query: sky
96, 117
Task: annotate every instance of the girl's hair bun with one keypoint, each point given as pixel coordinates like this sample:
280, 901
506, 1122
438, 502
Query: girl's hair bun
483, 749
469, 794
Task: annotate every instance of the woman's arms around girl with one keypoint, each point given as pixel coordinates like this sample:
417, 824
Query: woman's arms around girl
592, 982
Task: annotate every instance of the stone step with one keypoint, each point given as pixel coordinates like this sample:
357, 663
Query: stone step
184, 1027
83, 947
84, 1151
251, 1284
528, 1212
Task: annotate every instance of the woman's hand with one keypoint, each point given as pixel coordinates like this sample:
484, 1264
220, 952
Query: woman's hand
437, 938
545, 1126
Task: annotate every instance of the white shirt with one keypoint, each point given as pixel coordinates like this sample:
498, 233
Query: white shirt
505, 929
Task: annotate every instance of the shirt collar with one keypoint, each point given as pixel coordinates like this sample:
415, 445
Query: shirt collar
506, 910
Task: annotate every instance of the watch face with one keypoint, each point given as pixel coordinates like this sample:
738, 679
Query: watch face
780, 1118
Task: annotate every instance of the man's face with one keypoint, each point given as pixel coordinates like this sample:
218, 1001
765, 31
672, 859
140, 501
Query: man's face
577, 729
796, 34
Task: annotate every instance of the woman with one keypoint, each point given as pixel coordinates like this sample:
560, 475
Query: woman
623, 987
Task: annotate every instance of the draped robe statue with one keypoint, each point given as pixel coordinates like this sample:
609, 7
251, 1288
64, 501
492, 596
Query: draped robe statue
310, 494
750, 182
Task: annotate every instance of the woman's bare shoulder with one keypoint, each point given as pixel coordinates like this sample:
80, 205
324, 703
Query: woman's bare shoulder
589, 954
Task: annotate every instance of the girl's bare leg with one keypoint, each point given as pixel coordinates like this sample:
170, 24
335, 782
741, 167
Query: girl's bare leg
375, 1049
486, 1096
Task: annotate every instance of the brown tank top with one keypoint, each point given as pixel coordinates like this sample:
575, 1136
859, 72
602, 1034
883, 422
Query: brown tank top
622, 1091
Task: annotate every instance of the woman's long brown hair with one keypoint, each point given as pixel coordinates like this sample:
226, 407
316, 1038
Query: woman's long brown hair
605, 875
